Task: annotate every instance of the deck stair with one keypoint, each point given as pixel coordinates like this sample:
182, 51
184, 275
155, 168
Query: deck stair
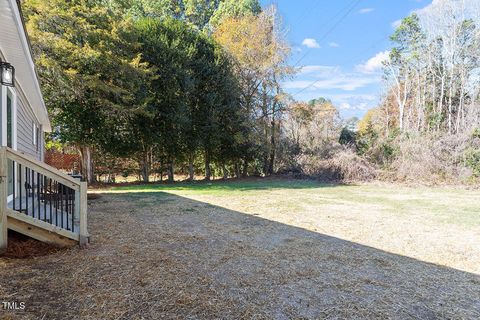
41, 202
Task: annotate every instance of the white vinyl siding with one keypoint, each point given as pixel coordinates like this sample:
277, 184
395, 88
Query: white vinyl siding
25, 133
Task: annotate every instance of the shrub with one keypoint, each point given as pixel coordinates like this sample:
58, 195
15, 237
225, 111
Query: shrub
472, 160
431, 158
476, 133
348, 137
342, 165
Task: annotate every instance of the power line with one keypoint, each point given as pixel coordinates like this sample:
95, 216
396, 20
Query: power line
351, 60
351, 6
307, 11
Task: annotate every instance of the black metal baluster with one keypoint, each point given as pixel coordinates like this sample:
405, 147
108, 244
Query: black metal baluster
67, 209
39, 186
27, 178
33, 193
44, 197
61, 203
50, 200
73, 209
20, 184
57, 195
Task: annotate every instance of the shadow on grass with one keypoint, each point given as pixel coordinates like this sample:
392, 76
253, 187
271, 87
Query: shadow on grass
283, 271
190, 259
248, 184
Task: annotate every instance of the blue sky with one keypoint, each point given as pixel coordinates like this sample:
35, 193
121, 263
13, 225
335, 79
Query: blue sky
340, 44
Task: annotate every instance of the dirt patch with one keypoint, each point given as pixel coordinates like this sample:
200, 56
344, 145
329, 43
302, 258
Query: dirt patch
23, 247
93, 196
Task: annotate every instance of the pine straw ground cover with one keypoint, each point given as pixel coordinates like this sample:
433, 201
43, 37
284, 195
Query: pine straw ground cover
277, 249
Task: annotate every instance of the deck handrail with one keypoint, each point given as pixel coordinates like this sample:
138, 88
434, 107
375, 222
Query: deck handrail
43, 168
76, 197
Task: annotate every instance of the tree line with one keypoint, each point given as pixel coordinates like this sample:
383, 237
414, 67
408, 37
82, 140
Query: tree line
167, 84
433, 74
428, 123
193, 87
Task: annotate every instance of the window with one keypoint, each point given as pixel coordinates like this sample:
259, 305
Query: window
35, 135
9, 120
8, 117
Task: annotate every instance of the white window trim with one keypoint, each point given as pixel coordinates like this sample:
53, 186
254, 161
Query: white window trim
34, 133
5, 92
3, 106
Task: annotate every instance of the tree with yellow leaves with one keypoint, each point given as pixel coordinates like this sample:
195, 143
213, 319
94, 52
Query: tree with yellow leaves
259, 53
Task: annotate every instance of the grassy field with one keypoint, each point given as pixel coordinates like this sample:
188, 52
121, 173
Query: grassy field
263, 249
443, 223
450, 205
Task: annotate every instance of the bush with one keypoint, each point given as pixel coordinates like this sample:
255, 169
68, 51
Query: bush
476, 133
348, 137
431, 159
472, 160
342, 165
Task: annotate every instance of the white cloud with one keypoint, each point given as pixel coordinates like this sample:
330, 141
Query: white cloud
310, 43
345, 82
354, 103
349, 105
319, 70
396, 23
319, 77
333, 45
353, 97
349, 91
374, 64
366, 10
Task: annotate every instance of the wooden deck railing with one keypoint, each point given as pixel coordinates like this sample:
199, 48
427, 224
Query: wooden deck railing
35, 194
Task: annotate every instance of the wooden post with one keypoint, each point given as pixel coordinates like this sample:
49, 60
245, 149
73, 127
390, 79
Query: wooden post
84, 236
3, 199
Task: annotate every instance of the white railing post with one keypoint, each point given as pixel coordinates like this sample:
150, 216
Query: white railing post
84, 236
3, 199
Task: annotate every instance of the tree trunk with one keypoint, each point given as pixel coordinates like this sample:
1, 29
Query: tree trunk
86, 169
237, 170
161, 171
191, 170
145, 166
265, 129
225, 171
245, 168
208, 170
272, 149
170, 172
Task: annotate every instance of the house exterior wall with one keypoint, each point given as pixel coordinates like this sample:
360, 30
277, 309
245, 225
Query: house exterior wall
25, 124
26, 121
30, 110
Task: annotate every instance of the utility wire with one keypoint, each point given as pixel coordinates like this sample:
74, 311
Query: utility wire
307, 11
351, 6
375, 44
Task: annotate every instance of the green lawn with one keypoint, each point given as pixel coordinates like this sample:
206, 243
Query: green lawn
434, 224
442, 204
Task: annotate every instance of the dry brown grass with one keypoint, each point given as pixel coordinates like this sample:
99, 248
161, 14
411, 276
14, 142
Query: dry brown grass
23, 247
159, 255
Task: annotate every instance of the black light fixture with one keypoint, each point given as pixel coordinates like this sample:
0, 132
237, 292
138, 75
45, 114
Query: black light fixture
7, 74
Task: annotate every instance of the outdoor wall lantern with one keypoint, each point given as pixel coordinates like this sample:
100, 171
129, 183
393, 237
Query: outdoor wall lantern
7, 74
